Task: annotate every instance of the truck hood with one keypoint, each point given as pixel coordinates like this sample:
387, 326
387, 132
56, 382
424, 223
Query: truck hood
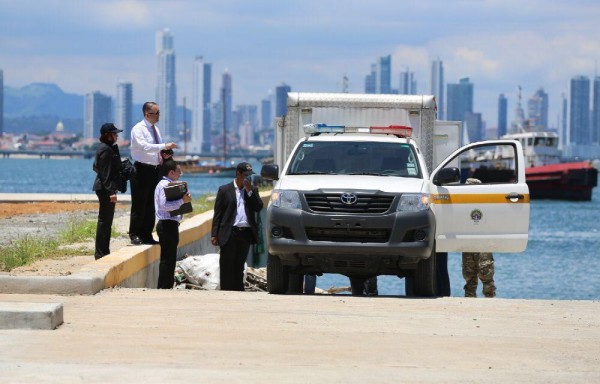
390, 184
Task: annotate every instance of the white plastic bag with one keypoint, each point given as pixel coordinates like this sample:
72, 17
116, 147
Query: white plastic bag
202, 270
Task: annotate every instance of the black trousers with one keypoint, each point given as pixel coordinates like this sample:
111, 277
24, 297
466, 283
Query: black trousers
232, 258
106, 213
168, 238
142, 218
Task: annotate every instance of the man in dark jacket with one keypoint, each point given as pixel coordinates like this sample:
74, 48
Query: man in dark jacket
234, 226
107, 166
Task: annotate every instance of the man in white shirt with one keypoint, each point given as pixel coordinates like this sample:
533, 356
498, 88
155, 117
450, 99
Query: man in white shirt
146, 145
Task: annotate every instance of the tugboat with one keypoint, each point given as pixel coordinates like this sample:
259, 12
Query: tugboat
546, 176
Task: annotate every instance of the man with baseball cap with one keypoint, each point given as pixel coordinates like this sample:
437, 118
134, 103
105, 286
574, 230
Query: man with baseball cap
234, 226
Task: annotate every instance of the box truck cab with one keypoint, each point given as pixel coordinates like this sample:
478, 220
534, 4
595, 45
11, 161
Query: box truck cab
361, 199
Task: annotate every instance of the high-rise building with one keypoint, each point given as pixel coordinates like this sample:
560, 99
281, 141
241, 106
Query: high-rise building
124, 108
537, 110
247, 116
437, 87
384, 73
97, 111
408, 84
579, 122
380, 78
474, 125
460, 99
595, 112
265, 114
1, 102
201, 86
371, 80
226, 100
166, 90
281, 99
562, 142
502, 115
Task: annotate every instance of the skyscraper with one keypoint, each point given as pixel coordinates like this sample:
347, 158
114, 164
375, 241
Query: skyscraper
281, 99
166, 90
265, 114
595, 112
460, 99
384, 82
123, 109
371, 80
247, 116
380, 78
408, 84
562, 142
437, 86
226, 100
502, 115
97, 111
201, 86
579, 122
537, 110
1, 102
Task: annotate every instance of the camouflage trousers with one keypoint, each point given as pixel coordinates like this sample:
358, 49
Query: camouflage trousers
478, 265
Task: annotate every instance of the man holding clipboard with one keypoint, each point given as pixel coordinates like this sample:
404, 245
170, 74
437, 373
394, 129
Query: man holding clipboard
169, 214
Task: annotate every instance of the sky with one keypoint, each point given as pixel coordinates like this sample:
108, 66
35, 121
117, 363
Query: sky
88, 45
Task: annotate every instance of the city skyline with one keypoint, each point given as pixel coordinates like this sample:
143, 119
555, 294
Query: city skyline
91, 45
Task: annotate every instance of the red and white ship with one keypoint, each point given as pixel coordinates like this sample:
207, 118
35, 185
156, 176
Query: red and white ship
546, 176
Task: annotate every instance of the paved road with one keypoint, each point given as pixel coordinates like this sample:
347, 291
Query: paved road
152, 336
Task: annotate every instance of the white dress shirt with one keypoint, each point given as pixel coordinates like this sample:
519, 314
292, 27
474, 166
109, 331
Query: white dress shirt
241, 220
162, 207
143, 146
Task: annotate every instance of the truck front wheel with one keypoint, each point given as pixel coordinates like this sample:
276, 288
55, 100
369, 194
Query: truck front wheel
424, 280
277, 275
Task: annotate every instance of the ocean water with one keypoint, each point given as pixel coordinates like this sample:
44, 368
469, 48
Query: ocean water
562, 259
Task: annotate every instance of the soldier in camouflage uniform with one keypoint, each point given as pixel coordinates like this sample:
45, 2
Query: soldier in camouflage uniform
478, 265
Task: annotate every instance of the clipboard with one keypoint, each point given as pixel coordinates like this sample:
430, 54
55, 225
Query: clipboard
175, 191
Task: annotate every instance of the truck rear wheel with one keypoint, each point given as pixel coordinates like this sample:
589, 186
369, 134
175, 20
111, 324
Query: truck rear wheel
424, 280
277, 276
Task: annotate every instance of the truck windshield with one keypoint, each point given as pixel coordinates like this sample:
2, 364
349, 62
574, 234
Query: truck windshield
355, 158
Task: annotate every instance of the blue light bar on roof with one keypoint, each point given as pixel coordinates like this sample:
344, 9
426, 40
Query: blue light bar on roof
323, 128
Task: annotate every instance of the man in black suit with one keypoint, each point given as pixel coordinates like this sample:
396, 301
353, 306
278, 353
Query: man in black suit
234, 226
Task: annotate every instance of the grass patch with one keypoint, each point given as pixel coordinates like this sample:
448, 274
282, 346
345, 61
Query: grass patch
25, 250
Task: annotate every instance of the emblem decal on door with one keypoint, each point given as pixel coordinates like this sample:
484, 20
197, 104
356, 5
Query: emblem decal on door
476, 215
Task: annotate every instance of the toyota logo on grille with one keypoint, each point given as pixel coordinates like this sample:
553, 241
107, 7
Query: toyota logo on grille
348, 198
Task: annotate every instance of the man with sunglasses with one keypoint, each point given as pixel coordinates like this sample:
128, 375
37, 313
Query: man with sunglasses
146, 146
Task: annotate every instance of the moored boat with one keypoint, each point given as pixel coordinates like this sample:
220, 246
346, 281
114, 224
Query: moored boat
548, 177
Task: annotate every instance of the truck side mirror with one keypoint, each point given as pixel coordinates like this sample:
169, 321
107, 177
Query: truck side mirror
270, 172
447, 176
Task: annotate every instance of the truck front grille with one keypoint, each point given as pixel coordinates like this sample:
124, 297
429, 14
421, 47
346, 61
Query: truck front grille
372, 235
331, 203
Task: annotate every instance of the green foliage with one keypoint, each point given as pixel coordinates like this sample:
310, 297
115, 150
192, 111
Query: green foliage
25, 250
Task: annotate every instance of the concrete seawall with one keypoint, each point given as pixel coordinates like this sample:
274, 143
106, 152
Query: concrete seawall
130, 266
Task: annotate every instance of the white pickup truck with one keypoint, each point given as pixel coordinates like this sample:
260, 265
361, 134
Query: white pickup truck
364, 191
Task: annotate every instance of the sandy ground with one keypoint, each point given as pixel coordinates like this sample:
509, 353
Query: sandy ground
47, 219
166, 336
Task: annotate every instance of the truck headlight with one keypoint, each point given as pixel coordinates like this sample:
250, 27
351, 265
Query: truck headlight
413, 202
286, 199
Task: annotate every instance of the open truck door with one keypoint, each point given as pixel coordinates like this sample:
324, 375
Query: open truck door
490, 216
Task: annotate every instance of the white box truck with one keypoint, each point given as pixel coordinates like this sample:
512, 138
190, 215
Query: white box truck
372, 185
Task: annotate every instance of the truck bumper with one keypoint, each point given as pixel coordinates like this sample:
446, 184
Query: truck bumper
350, 244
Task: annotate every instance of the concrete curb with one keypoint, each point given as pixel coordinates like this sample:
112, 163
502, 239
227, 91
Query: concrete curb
30, 315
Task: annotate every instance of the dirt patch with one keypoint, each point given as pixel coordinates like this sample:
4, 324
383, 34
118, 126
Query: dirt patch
8, 210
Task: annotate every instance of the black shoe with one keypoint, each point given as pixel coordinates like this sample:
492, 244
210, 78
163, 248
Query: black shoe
150, 241
135, 240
